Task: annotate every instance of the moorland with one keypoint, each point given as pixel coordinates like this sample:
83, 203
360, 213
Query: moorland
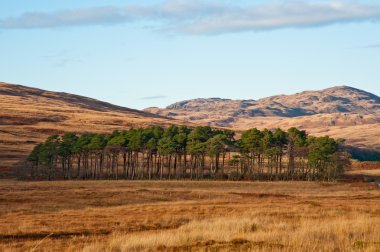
195, 205
189, 216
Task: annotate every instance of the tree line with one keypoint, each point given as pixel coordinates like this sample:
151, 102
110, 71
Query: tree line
180, 152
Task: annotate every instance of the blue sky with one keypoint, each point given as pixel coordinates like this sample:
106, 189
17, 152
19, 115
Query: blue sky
153, 53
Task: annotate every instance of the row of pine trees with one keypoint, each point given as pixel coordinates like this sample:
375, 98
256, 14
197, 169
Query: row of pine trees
179, 152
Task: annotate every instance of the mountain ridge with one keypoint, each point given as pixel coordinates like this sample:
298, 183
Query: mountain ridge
212, 102
336, 111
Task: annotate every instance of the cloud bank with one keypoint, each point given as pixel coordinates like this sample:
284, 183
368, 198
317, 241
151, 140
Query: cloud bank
206, 17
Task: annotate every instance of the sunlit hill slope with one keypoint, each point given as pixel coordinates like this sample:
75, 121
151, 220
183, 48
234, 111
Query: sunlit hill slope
29, 115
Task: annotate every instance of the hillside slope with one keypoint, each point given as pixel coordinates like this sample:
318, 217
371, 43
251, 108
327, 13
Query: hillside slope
29, 115
338, 111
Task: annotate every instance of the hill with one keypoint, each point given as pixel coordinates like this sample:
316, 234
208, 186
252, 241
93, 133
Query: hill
28, 115
340, 111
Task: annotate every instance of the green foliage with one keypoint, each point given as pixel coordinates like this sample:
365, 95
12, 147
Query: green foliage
297, 136
280, 137
308, 157
216, 145
198, 140
98, 142
251, 141
82, 144
135, 137
66, 146
117, 139
321, 149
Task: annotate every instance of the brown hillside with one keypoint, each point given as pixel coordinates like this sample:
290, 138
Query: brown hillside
341, 111
29, 115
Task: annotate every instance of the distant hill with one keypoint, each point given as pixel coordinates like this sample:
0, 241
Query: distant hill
340, 111
28, 115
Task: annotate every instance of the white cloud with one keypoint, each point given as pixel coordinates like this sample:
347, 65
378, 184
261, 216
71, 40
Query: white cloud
297, 14
94, 16
205, 17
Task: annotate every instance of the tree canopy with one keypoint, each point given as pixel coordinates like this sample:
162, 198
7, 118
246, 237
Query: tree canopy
182, 152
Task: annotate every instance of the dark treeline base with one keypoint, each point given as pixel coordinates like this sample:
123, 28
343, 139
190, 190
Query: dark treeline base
185, 153
363, 154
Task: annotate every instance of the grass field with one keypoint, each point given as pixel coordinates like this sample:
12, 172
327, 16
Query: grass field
188, 216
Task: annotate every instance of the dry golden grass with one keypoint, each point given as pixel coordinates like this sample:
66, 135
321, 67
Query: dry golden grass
367, 165
188, 216
372, 172
257, 233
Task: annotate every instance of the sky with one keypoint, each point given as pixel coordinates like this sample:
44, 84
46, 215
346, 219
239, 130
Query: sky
140, 54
